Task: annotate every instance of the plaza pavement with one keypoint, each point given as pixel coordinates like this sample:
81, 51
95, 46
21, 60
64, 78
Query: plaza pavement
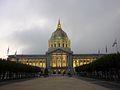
53, 83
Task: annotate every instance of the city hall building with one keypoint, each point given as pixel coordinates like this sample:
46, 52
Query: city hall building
59, 58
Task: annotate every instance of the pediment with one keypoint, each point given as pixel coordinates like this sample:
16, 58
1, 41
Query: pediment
59, 50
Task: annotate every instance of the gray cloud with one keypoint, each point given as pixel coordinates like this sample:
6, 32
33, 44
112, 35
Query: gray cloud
33, 41
90, 24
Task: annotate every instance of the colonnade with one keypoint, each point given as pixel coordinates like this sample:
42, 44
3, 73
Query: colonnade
59, 60
59, 43
82, 61
34, 62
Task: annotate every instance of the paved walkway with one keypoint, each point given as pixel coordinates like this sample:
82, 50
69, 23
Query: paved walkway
53, 83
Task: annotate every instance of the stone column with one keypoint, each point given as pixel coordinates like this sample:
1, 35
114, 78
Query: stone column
42, 63
48, 61
61, 60
70, 63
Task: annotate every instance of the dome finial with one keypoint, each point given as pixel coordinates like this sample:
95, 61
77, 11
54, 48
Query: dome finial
59, 25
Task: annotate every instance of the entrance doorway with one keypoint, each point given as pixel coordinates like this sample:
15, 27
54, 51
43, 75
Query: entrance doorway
59, 71
59, 63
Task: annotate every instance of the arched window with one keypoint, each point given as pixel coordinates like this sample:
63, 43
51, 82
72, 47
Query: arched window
66, 45
59, 45
54, 45
63, 44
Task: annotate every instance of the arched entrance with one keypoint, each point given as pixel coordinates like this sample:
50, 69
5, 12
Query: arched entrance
59, 63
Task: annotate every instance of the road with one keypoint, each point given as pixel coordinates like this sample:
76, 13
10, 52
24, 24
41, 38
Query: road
53, 83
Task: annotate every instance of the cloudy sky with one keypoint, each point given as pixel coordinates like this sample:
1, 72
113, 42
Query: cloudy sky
26, 25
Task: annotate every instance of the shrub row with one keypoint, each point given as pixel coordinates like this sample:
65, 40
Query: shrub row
14, 70
107, 67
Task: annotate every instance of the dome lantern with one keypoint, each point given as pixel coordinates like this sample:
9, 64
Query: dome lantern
59, 25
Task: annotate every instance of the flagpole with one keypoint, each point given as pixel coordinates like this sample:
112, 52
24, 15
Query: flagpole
106, 49
7, 52
117, 48
16, 56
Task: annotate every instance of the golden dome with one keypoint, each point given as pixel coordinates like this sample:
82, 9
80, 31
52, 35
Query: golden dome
59, 33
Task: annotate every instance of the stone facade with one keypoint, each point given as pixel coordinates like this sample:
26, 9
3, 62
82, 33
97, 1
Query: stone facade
59, 58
